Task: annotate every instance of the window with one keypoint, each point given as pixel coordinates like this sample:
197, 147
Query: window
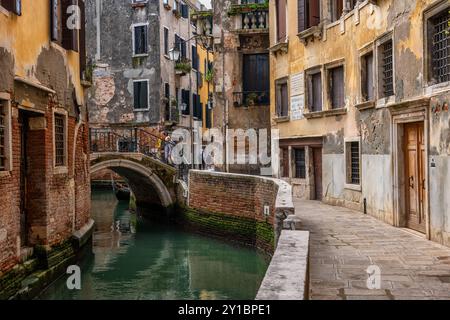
140, 46
256, 66
185, 101
337, 8
194, 58
281, 20
14, 6
64, 28
5, 149
353, 167
308, 14
140, 93
184, 10
282, 98
198, 107
60, 140
438, 30
367, 83
181, 44
315, 92
336, 80
166, 41
300, 163
387, 69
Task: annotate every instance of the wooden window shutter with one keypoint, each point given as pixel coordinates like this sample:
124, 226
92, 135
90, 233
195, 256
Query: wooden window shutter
278, 97
301, 15
14, 6
70, 24
82, 36
281, 20
55, 23
314, 13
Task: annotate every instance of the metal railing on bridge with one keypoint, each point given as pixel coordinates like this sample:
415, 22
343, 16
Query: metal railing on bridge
131, 140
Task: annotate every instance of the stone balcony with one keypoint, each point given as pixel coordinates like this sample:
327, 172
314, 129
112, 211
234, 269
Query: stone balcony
250, 18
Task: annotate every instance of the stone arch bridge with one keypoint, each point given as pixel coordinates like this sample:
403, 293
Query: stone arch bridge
126, 152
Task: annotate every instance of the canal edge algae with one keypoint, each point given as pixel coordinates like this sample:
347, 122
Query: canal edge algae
28, 279
239, 208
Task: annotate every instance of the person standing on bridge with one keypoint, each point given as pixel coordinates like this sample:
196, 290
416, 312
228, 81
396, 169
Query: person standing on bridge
168, 146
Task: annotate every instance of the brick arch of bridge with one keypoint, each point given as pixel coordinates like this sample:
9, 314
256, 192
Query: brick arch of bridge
150, 186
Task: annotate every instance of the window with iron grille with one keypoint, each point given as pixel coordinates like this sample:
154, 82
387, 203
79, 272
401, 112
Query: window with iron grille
387, 68
2, 137
440, 50
60, 140
300, 163
353, 163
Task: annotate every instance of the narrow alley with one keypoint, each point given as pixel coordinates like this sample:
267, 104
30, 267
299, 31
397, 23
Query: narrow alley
344, 243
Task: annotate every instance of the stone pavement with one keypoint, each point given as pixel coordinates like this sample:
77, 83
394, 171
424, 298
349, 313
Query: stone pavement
344, 243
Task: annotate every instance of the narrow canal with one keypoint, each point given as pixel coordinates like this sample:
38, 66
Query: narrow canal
134, 258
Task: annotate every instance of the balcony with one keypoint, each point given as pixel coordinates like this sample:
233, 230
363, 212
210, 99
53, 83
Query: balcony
250, 17
251, 98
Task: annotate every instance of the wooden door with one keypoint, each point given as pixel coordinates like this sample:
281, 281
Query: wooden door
317, 163
415, 184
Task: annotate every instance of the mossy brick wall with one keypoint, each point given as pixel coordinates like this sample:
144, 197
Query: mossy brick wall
232, 206
236, 195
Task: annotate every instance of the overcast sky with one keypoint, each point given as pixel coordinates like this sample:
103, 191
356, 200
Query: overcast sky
207, 3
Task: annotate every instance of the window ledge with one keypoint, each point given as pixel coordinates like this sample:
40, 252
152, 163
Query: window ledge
353, 187
139, 4
385, 102
310, 34
5, 174
280, 47
60, 170
432, 88
141, 55
282, 119
326, 113
141, 110
4, 11
365, 105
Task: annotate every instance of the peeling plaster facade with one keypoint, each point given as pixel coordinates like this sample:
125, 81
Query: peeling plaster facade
42, 202
110, 48
232, 41
378, 125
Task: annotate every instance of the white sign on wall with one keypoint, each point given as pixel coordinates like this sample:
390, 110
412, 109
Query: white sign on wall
297, 107
297, 84
297, 96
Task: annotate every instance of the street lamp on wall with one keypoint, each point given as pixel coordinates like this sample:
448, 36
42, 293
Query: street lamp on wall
174, 54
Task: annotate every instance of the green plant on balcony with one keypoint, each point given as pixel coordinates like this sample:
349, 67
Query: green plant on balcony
248, 7
209, 75
183, 66
251, 99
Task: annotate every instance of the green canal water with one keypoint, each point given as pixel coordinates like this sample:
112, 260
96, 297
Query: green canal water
133, 258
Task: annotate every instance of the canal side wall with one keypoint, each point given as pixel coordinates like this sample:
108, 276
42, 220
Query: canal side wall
242, 208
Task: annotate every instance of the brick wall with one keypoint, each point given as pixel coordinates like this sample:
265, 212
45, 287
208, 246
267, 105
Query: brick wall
57, 202
235, 195
233, 205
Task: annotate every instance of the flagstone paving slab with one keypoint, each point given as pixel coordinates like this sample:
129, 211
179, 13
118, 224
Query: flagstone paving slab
344, 243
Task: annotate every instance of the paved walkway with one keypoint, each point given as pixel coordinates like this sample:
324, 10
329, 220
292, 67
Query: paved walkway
344, 243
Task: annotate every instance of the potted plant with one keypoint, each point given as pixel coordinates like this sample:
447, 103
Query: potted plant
183, 67
251, 99
209, 75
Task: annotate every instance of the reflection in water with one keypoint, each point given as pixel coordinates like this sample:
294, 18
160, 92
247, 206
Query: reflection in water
138, 259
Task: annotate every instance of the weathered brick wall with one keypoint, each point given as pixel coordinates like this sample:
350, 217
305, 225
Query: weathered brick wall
9, 207
57, 203
235, 195
232, 206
